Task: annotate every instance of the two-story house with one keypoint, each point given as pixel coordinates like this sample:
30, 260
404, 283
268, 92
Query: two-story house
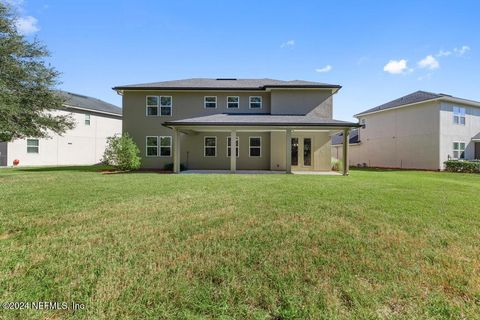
421, 130
95, 120
266, 124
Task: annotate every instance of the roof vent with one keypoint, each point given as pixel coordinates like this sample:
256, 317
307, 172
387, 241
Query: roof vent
226, 79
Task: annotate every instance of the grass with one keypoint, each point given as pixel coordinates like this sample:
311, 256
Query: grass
374, 245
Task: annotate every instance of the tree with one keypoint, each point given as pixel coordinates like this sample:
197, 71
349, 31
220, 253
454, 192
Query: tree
122, 153
26, 86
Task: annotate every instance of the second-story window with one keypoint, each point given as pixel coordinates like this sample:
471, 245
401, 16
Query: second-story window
256, 102
233, 102
166, 106
87, 119
152, 106
459, 115
210, 102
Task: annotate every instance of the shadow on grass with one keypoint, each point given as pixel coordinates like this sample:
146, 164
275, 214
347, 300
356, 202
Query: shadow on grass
94, 168
388, 169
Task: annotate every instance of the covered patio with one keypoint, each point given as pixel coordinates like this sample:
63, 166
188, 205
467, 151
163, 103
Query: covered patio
291, 137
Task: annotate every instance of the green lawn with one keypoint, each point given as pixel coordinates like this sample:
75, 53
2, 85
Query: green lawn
376, 244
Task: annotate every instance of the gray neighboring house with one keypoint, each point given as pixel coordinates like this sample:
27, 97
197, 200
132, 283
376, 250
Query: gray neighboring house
83, 145
274, 124
421, 130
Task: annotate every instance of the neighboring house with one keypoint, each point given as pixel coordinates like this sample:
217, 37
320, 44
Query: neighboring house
421, 130
95, 121
275, 125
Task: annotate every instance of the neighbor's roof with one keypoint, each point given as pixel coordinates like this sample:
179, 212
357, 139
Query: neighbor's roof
225, 84
417, 97
224, 119
79, 101
353, 138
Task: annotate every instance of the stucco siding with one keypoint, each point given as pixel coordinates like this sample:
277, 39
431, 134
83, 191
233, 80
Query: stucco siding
79, 146
301, 102
451, 132
406, 137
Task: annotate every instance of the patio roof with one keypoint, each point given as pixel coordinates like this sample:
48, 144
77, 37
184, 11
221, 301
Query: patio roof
476, 137
224, 119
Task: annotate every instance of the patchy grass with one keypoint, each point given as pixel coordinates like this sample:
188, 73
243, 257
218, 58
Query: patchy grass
376, 244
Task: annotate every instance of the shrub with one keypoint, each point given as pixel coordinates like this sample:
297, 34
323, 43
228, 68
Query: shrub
169, 167
462, 166
337, 164
122, 153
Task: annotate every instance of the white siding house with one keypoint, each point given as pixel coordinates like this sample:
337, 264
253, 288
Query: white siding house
421, 130
95, 120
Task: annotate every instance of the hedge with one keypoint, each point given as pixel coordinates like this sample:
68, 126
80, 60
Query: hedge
462, 166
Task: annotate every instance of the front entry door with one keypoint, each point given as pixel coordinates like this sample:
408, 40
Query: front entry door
477, 150
302, 157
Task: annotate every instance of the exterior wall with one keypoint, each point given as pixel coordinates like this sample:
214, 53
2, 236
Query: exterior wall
406, 137
450, 132
184, 105
321, 150
354, 158
189, 104
3, 154
301, 102
80, 146
192, 152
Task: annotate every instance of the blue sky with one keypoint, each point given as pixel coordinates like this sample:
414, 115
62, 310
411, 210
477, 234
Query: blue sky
377, 50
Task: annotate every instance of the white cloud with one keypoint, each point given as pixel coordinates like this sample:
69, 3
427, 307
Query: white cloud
429, 62
27, 25
396, 66
461, 51
327, 68
288, 44
443, 53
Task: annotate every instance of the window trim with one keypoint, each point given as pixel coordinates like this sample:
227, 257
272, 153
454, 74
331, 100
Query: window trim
250, 146
147, 146
159, 152
160, 106
205, 146
459, 115
37, 146
87, 118
459, 150
250, 102
238, 102
152, 106
236, 148
205, 102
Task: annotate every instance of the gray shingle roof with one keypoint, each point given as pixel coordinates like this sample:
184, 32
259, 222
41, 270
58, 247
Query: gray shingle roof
89, 103
476, 137
415, 97
226, 84
223, 119
353, 138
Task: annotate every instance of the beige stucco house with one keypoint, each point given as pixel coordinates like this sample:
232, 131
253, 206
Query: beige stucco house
95, 120
421, 130
275, 125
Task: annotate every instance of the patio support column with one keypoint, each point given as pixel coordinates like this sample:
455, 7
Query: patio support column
176, 151
233, 151
346, 133
288, 144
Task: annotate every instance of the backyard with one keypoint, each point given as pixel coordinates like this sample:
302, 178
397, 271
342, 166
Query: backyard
376, 244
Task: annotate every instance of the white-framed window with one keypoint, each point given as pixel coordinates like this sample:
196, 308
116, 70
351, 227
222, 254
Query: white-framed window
33, 146
459, 150
237, 147
151, 149
165, 105
151, 106
255, 102
255, 146
459, 115
210, 102
233, 102
87, 119
165, 146
210, 146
